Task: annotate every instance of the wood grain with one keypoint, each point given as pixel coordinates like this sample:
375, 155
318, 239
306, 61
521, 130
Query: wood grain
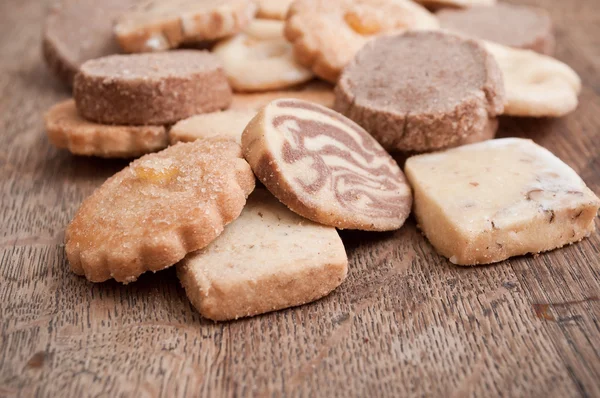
405, 323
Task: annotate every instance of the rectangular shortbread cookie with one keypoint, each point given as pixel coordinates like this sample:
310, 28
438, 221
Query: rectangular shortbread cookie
266, 260
486, 202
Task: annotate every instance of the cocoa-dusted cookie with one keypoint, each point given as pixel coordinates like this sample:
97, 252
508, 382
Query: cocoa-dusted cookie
326, 34
153, 88
529, 28
78, 30
161, 25
421, 91
325, 167
162, 206
66, 129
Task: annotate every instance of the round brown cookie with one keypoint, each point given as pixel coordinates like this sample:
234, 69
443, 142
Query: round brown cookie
78, 30
421, 91
327, 34
161, 25
152, 88
325, 167
529, 28
162, 206
316, 91
66, 129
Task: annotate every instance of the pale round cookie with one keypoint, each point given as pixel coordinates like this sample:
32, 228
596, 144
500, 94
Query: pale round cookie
152, 88
273, 9
421, 91
66, 129
229, 124
536, 85
268, 259
161, 25
327, 34
530, 28
316, 91
264, 29
260, 63
162, 206
325, 167
79, 30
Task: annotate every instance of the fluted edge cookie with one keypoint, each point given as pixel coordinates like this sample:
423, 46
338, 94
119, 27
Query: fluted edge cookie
162, 206
159, 26
325, 167
66, 129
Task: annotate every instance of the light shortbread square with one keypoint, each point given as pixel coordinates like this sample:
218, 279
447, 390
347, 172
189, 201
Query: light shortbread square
486, 202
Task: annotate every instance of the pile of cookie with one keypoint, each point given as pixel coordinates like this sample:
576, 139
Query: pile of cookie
310, 97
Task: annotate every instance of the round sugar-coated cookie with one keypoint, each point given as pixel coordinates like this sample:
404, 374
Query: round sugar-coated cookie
161, 25
151, 88
79, 30
66, 129
421, 91
325, 167
513, 25
162, 206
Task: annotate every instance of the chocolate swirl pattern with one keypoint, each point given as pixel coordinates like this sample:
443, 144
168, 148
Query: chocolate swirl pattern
325, 167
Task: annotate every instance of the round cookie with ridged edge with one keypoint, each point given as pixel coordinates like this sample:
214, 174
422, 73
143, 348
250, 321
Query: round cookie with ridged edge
530, 28
162, 206
162, 25
421, 91
66, 129
325, 167
151, 88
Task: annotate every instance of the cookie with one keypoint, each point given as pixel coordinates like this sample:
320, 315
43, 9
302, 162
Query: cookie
530, 28
158, 26
325, 167
66, 129
273, 9
536, 85
79, 30
486, 202
437, 4
162, 206
153, 88
317, 91
327, 34
229, 124
260, 63
266, 260
264, 29
421, 91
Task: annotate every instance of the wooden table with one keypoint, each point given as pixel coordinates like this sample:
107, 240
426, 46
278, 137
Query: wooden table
405, 322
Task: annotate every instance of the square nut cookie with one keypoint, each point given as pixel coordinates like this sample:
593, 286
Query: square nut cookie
486, 202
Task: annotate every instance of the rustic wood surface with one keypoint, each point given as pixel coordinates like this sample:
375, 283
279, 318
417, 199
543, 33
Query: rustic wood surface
406, 322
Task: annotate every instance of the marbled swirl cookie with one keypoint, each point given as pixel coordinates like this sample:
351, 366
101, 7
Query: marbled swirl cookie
325, 167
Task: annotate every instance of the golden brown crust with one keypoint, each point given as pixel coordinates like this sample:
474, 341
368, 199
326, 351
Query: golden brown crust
159, 26
151, 88
66, 129
159, 208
